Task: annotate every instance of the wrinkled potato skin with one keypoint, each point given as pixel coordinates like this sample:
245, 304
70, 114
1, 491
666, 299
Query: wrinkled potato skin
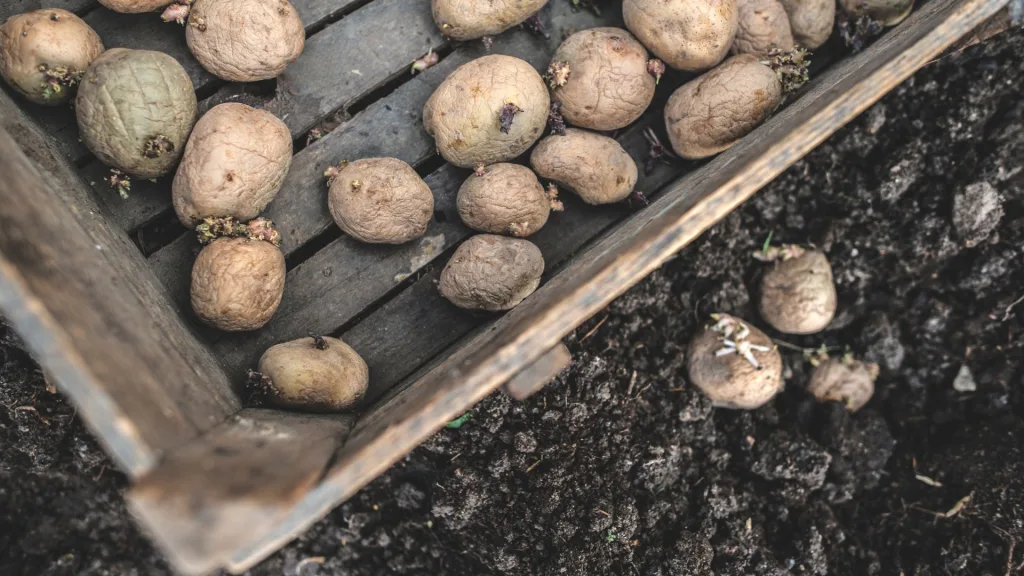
763, 24
609, 86
471, 19
504, 195
381, 201
245, 40
849, 382
691, 35
811, 21
593, 166
313, 380
731, 381
237, 283
798, 295
135, 6
234, 164
50, 37
489, 272
463, 113
711, 112
128, 97
888, 12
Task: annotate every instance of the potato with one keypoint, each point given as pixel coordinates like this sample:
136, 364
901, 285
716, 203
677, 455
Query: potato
135, 6
593, 166
319, 374
845, 380
234, 163
688, 35
489, 272
601, 78
798, 295
711, 112
505, 199
238, 282
489, 110
885, 12
44, 54
763, 24
734, 364
135, 110
380, 200
245, 40
811, 21
471, 19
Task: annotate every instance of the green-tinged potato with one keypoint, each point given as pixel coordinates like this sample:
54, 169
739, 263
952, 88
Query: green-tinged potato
471, 19
237, 283
320, 374
593, 166
489, 272
44, 54
734, 364
380, 200
505, 199
690, 35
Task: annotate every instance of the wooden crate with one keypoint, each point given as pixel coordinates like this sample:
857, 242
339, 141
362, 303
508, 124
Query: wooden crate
220, 485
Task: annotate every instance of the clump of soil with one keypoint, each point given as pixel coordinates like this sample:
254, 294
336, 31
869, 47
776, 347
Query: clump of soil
621, 467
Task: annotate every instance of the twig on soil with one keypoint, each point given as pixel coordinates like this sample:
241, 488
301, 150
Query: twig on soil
307, 561
594, 329
925, 479
1009, 308
103, 469
38, 415
534, 465
960, 504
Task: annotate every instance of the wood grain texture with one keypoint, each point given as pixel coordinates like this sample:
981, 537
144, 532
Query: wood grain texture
624, 256
9, 8
538, 373
88, 305
232, 484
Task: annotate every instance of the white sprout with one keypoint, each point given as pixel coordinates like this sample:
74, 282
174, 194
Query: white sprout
737, 344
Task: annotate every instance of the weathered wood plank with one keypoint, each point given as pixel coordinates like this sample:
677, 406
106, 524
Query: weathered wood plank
9, 8
231, 485
339, 65
623, 257
94, 313
539, 373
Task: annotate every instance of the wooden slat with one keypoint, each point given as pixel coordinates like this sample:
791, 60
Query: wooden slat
538, 373
9, 8
85, 301
624, 256
246, 473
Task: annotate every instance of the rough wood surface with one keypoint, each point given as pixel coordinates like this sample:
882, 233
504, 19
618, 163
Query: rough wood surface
9, 8
230, 485
624, 256
87, 304
538, 373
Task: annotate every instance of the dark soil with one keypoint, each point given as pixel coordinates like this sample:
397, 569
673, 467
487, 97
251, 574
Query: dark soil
619, 467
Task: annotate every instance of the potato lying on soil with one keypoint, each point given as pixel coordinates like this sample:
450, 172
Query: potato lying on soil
811, 21
762, 25
238, 278
798, 295
734, 364
380, 200
885, 12
468, 20
234, 163
505, 199
489, 272
601, 78
489, 110
318, 374
44, 54
689, 35
135, 6
593, 166
135, 110
845, 380
245, 40
713, 111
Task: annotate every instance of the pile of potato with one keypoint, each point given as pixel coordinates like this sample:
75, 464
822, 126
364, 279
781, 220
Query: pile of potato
137, 112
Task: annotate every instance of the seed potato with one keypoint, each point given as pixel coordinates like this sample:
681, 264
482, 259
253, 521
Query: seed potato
245, 40
798, 295
380, 200
135, 110
713, 111
489, 110
845, 380
763, 24
234, 164
811, 21
320, 374
489, 272
886, 12
135, 6
44, 54
734, 364
604, 82
593, 166
504, 199
688, 35
468, 20
237, 283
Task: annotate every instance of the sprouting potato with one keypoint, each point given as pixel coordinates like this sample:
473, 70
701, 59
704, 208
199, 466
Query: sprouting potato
844, 380
593, 166
317, 374
763, 24
505, 199
798, 295
380, 200
734, 364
